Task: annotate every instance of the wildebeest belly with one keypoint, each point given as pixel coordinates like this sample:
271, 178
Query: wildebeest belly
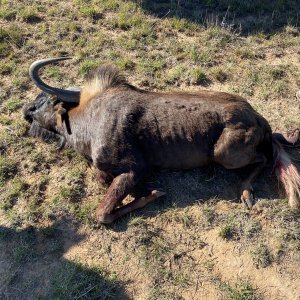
182, 145
178, 156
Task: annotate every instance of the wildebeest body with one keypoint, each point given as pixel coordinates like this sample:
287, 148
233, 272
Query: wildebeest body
163, 130
126, 131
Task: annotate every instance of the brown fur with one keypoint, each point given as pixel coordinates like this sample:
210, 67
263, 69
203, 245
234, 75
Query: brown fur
126, 131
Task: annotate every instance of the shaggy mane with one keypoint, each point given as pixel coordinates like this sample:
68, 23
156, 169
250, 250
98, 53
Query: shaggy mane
101, 79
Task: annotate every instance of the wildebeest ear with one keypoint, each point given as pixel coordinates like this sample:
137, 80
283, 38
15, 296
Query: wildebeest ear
60, 111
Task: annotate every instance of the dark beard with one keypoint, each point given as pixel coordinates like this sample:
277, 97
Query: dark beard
46, 135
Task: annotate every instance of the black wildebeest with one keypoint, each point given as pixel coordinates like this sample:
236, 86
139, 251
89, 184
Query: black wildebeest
125, 131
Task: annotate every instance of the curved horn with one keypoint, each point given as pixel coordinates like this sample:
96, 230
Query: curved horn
64, 95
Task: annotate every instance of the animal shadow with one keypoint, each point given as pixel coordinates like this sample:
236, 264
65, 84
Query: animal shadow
185, 188
32, 266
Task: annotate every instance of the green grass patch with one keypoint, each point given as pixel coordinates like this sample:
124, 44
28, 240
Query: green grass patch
6, 68
227, 232
198, 76
129, 16
53, 72
8, 169
175, 74
220, 37
151, 66
262, 256
218, 74
250, 53
76, 281
4, 49
29, 14
87, 66
242, 290
5, 120
209, 214
7, 13
13, 104
14, 191
12, 33
91, 12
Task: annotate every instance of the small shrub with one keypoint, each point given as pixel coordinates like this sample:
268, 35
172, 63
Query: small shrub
218, 35
129, 16
109, 4
124, 63
175, 74
53, 72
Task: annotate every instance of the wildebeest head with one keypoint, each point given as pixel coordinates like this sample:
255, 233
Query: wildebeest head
46, 112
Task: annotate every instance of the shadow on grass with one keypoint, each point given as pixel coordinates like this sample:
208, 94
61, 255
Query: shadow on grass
253, 16
213, 183
32, 266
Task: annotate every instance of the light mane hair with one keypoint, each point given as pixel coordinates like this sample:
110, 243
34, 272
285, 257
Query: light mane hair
99, 80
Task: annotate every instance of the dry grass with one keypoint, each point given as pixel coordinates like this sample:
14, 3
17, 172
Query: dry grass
198, 242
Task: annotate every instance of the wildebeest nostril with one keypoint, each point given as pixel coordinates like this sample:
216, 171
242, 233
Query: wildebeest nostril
28, 115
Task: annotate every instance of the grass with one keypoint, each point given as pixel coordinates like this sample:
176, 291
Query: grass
13, 105
218, 74
29, 14
15, 190
8, 169
6, 68
12, 34
198, 76
91, 12
88, 65
242, 290
129, 16
226, 232
261, 255
7, 13
73, 281
51, 246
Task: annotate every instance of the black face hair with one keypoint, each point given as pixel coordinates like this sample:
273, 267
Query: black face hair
46, 135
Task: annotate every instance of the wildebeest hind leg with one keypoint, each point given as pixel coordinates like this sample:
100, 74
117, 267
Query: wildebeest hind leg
246, 190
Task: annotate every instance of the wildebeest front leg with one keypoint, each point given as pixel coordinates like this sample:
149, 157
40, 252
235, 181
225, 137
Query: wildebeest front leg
120, 187
135, 204
118, 190
247, 190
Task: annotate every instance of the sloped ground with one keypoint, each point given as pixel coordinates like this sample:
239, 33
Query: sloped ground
198, 242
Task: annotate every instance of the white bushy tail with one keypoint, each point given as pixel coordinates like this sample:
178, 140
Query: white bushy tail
287, 174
